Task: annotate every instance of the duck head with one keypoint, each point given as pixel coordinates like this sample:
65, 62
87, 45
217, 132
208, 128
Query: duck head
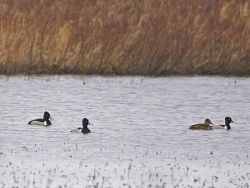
46, 115
228, 120
85, 122
208, 122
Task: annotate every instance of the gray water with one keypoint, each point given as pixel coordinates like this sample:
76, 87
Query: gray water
140, 135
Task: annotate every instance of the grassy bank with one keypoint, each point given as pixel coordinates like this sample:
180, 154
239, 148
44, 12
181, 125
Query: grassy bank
143, 37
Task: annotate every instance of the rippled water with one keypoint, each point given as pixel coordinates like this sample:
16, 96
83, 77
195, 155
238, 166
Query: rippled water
140, 134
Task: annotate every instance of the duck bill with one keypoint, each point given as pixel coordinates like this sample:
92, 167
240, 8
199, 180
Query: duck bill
51, 118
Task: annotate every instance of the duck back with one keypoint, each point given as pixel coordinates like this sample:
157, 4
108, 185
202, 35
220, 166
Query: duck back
201, 127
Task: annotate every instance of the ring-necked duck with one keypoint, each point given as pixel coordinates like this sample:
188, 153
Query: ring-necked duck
227, 126
45, 121
207, 125
84, 129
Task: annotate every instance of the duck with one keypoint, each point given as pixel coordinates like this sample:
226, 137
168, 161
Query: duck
45, 121
227, 126
84, 129
207, 125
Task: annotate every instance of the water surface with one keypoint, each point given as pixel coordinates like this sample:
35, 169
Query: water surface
140, 134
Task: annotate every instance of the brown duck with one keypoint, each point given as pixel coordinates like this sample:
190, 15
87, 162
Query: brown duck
207, 125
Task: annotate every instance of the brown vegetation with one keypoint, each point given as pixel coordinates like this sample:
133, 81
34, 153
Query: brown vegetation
145, 37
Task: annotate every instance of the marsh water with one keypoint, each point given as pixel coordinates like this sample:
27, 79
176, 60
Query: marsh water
139, 133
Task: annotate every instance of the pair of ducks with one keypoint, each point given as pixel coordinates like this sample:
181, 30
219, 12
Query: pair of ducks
208, 125
45, 121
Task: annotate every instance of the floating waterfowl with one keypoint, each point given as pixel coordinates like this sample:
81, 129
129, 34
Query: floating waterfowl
227, 126
45, 121
207, 125
84, 129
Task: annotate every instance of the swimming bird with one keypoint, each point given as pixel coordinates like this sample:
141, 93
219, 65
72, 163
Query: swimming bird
227, 126
207, 125
45, 121
84, 129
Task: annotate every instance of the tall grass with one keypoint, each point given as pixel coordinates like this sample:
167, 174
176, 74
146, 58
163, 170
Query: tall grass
145, 37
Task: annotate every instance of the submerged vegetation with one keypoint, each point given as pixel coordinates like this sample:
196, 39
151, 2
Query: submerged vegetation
125, 37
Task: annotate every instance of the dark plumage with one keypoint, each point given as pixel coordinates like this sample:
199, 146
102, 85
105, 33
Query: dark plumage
45, 121
84, 129
227, 126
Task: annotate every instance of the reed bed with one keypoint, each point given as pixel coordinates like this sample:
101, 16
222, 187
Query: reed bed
125, 37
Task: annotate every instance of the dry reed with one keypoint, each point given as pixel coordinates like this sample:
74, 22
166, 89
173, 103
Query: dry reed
125, 37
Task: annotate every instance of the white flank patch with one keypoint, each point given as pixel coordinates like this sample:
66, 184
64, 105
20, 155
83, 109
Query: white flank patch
38, 123
76, 130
